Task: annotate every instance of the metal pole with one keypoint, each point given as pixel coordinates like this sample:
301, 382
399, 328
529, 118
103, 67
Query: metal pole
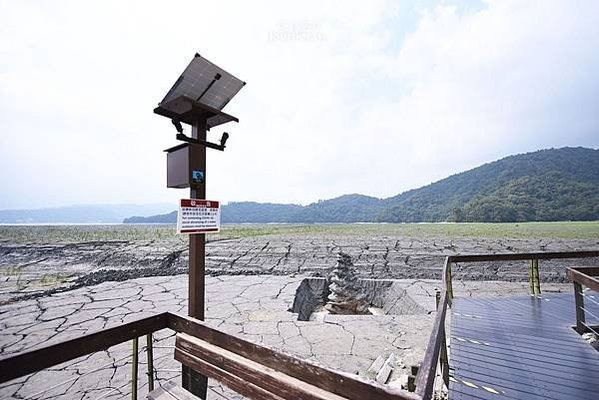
150, 356
537, 278
193, 381
134, 365
579, 300
531, 279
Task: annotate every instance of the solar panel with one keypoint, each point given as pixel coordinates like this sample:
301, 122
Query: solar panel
205, 83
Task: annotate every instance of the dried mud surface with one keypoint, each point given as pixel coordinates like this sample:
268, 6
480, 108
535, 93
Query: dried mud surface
255, 308
28, 270
34, 269
53, 290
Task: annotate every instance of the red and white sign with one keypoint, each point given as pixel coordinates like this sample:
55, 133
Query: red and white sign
198, 216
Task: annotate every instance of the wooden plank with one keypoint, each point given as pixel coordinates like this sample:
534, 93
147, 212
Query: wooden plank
178, 392
232, 381
340, 383
48, 356
505, 368
482, 369
531, 346
170, 391
268, 378
519, 315
478, 392
590, 270
426, 375
561, 332
526, 344
160, 394
524, 353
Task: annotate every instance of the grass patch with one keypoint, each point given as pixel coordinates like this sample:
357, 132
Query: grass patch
53, 280
11, 271
93, 233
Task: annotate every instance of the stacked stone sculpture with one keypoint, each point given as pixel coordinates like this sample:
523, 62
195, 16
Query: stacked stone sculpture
346, 295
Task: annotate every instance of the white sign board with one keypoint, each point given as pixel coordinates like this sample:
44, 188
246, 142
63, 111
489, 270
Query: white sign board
198, 216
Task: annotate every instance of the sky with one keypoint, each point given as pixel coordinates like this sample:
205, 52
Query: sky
342, 97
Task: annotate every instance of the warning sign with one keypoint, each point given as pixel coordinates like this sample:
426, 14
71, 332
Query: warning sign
198, 216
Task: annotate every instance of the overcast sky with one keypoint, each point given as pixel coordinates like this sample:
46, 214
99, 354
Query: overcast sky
364, 97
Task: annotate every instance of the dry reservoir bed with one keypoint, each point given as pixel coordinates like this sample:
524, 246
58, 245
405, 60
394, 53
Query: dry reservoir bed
39, 260
58, 283
253, 307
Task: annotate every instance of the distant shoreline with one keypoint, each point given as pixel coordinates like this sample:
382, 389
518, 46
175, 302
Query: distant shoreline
283, 223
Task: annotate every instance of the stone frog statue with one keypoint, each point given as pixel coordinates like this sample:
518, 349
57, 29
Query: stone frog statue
346, 295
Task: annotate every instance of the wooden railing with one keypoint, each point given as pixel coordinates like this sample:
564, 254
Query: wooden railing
436, 352
242, 365
588, 277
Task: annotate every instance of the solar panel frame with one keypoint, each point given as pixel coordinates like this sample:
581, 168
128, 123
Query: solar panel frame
199, 82
187, 111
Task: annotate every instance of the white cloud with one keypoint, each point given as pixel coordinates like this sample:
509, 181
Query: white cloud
333, 103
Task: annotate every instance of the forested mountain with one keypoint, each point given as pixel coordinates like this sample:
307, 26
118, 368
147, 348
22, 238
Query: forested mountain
347, 208
546, 185
248, 211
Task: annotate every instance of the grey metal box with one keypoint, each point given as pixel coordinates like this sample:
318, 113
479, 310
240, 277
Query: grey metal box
181, 160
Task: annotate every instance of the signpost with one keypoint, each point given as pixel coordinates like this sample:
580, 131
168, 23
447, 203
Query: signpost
198, 216
197, 98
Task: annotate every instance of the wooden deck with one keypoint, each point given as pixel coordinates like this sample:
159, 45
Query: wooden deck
521, 348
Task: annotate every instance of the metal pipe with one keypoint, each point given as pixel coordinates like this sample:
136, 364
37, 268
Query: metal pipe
579, 300
150, 356
134, 365
537, 278
531, 278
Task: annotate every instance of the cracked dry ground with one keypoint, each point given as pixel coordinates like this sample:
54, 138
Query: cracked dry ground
252, 285
32, 269
253, 307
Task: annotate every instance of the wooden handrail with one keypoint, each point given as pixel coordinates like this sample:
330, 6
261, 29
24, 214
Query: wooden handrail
426, 375
580, 276
336, 382
586, 276
548, 255
35, 360
340, 383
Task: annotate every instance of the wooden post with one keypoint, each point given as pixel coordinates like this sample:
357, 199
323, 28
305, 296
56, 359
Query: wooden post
579, 300
134, 365
412, 378
192, 381
537, 278
411, 383
150, 359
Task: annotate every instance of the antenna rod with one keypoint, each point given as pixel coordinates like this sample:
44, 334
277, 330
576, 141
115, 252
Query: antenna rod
216, 77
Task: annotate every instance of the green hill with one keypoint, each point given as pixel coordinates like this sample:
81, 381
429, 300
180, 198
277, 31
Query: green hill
546, 185
248, 211
347, 208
